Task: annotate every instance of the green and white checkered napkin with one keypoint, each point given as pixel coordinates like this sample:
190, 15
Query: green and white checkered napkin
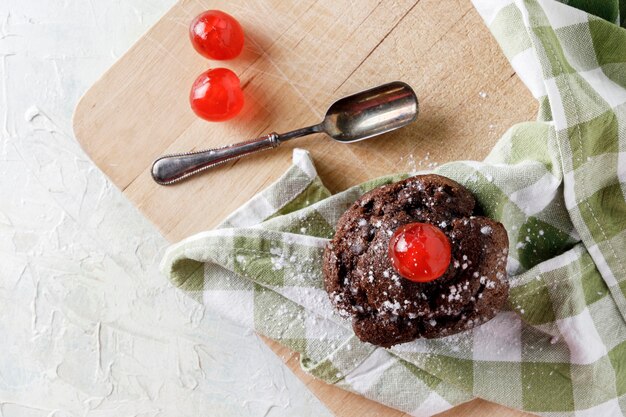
558, 184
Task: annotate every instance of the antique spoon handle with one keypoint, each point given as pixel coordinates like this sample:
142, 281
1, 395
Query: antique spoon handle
169, 169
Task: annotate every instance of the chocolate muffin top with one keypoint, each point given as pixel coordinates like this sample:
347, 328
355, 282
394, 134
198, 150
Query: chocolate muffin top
387, 309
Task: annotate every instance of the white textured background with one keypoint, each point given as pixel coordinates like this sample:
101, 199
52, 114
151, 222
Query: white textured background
88, 327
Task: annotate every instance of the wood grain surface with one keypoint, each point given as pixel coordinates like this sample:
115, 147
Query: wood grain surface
299, 57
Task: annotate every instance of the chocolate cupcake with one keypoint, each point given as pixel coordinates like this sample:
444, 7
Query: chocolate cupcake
444, 271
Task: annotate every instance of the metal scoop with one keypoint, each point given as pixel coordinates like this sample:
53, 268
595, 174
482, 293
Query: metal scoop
359, 116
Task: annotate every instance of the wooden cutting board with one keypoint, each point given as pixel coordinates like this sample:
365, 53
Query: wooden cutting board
299, 57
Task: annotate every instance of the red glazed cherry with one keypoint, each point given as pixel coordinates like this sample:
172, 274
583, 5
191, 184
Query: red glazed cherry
216, 35
420, 252
216, 95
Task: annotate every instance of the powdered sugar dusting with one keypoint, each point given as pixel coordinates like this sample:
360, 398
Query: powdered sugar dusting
415, 164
